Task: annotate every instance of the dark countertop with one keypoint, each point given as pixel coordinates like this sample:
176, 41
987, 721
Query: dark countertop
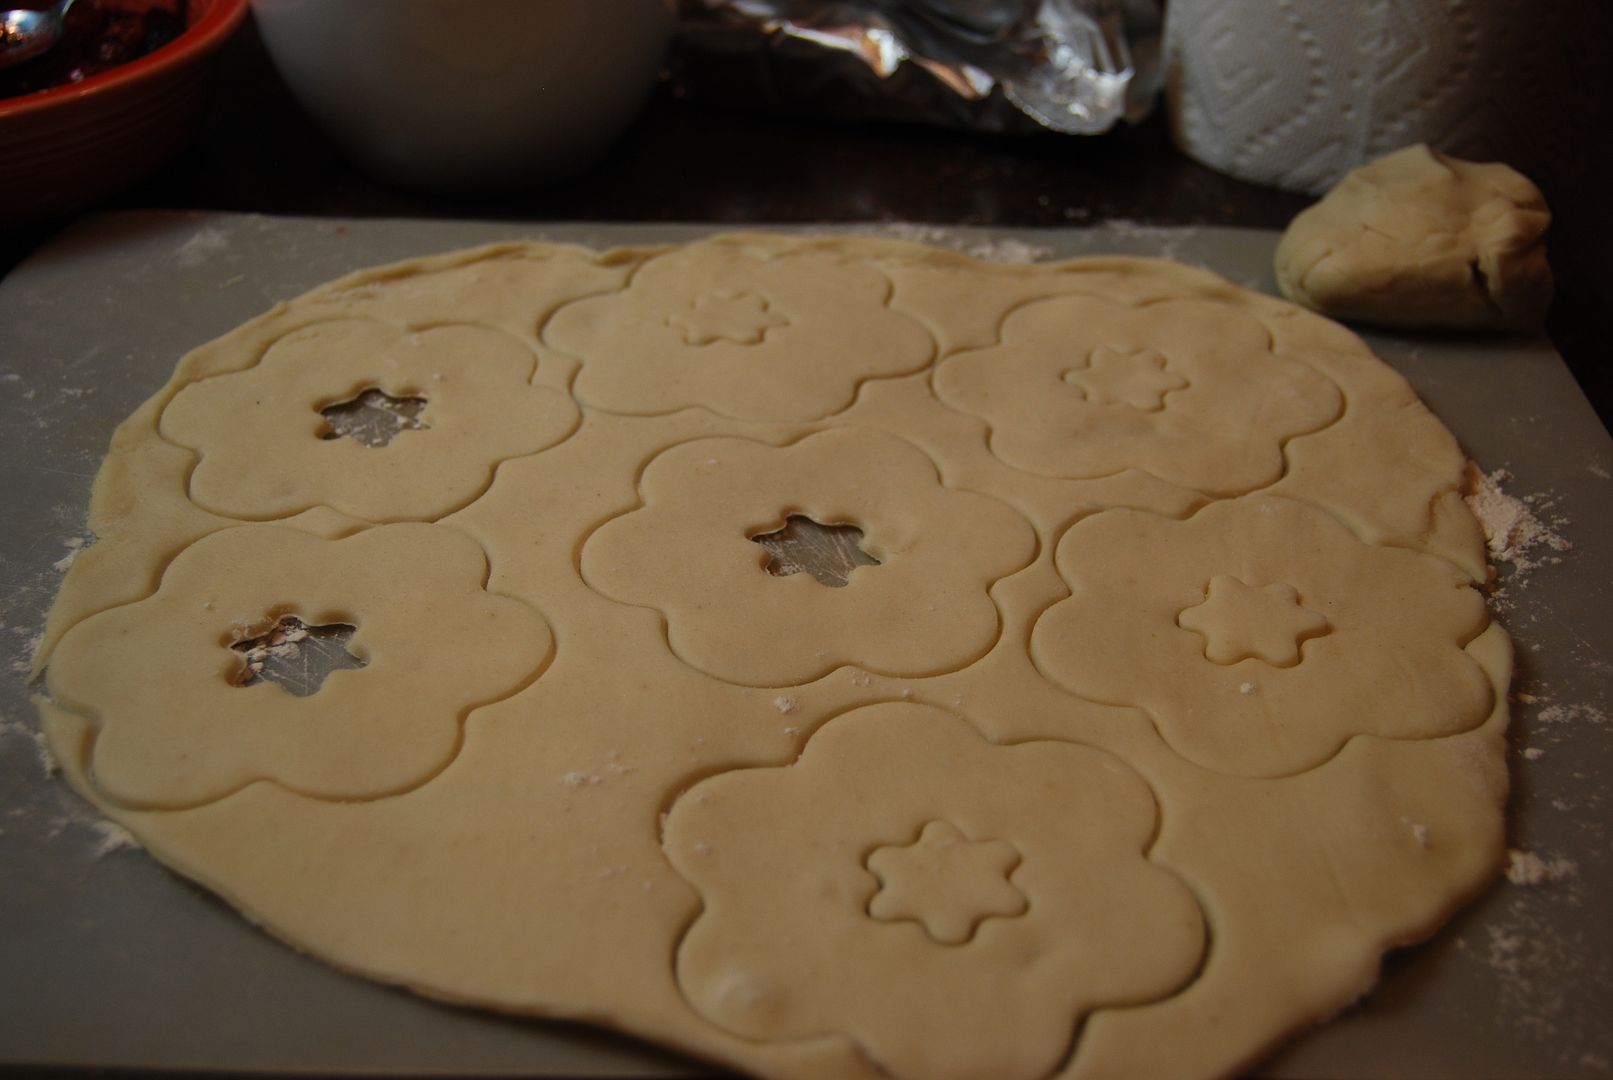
686, 161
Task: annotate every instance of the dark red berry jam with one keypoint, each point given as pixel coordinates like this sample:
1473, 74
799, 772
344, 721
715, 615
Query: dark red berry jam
100, 34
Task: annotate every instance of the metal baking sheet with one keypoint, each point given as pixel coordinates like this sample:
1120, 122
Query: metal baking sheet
106, 959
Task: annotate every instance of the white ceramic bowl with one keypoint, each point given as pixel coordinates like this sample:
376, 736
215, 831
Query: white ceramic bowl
469, 95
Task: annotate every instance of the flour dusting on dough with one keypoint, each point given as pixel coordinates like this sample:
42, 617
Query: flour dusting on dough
612, 768
1419, 831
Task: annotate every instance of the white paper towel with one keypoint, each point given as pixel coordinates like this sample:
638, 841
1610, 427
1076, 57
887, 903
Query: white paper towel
1298, 92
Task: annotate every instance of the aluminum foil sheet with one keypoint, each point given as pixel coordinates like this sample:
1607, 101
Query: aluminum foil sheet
1074, 66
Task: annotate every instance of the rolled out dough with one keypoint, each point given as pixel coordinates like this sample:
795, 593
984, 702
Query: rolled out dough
1159, 703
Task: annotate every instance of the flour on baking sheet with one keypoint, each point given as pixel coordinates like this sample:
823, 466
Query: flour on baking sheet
1522, 532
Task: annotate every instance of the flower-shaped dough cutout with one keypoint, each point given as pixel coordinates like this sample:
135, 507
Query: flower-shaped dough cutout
945, 882
1187, 390
263, 437
689, 551
1238, 621
179, 726
785, 337
788, 947
1376, 634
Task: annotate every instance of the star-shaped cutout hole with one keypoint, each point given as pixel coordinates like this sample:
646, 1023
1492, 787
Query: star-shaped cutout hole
1239, 622
945, 882
828, 552
373, 418
743, 318
1138, 379
296, 656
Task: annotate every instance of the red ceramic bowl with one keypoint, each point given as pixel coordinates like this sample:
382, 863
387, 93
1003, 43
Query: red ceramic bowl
68, 146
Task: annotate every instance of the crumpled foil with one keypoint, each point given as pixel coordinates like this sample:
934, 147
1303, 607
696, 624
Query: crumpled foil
1075, 66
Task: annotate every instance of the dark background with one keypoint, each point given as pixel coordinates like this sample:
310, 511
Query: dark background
682, 160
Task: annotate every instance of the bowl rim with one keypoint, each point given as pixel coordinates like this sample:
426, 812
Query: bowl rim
215, 24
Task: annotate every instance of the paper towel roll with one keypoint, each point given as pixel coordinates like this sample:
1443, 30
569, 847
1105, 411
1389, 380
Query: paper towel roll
1298, 92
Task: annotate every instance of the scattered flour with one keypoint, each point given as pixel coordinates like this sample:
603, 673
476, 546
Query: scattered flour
1572, 714
1527, 868
22, 729
913, 232
23, 662
1542, 966
207, 242
1514, 529
612, 768
786, 704
1165, 240
74, 545
1006, 250
1568, 740
47, 760
113, 837
1419, 831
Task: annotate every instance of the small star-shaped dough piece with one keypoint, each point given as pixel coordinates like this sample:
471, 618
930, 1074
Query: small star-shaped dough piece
945, 882
740, 317
1138, 379
1239, 621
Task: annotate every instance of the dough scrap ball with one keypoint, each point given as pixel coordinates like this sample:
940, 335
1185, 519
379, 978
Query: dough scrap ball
1421, 239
